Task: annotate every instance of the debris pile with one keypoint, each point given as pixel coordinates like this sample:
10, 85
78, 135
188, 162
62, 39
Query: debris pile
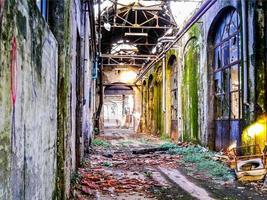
106, 182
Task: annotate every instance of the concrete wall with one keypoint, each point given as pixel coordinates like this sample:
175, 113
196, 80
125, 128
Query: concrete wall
43, 87
28, 104
74, 80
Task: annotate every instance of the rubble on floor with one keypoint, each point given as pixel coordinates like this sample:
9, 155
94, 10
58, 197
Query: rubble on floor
113, 171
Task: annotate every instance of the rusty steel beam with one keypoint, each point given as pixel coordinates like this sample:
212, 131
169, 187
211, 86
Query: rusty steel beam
122, 65
128, 56
154, 8
142, 27
137, 44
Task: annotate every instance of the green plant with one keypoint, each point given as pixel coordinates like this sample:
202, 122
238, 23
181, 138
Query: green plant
148, 174
97, 142
96, 131
165, 137
75, 177
193, 158
203, 160
107, 164
169, 145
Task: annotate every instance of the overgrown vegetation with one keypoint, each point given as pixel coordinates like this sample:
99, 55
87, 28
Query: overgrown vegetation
203, 160
107, 164
97, 142
75, 177
125, 143
148, 174
165, 138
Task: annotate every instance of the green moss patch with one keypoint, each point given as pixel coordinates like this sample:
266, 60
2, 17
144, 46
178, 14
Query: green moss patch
202, 159
102, 143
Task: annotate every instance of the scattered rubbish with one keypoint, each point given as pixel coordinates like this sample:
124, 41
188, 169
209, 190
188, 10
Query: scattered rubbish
119, 171
108, 155
249, 163
151, 150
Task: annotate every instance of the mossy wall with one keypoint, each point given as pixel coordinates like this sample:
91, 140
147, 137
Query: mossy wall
195, 71
190, 84
158, 111
260, 62
28, 74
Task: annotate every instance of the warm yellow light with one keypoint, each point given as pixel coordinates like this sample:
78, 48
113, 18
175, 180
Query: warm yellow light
255, 129
128, 76
256, 133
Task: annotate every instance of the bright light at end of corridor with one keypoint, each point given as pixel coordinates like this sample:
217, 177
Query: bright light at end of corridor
128, 76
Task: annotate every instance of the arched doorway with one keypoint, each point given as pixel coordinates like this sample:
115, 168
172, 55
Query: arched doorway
172, 97
158, 102
150, 104
118, 106
144, 106
226, 78
190, 91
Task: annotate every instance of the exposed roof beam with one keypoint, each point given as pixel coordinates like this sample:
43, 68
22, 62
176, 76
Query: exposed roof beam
120, 84
122, 65
128, 56
136, 34
143, 27
154, 8
137, 44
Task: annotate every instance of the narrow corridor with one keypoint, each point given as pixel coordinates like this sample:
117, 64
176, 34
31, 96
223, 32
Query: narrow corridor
133, 99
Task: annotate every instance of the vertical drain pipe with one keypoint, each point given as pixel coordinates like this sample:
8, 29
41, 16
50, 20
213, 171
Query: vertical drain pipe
245, 52
99, 64
265, 53
164, 92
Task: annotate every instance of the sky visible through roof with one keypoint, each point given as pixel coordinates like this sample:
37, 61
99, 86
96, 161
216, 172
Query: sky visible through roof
181, 9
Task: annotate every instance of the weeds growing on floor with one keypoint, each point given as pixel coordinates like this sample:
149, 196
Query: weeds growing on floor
75, 177
165, 138
202, 158
107, 164
97, 142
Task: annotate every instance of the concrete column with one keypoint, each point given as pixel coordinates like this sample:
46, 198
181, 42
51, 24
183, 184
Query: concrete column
164, 93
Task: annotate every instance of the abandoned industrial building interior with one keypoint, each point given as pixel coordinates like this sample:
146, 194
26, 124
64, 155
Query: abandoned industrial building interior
133, 99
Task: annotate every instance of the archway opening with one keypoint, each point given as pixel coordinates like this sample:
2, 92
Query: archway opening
172, 97
118, 106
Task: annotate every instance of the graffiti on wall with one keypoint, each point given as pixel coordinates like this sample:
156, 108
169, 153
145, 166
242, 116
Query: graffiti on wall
13, 68
13, 85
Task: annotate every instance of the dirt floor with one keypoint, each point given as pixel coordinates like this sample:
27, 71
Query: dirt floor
112, 171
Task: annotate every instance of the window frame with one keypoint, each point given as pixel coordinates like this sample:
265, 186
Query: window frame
221, 69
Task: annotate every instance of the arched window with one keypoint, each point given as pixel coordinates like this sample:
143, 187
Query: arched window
226, 66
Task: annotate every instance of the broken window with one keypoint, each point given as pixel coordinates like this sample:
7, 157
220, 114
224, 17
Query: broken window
226, 67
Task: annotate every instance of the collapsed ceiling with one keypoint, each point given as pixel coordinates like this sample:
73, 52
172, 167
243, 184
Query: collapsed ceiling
133, 34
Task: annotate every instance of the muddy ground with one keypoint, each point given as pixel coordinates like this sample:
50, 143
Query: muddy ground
111, 171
